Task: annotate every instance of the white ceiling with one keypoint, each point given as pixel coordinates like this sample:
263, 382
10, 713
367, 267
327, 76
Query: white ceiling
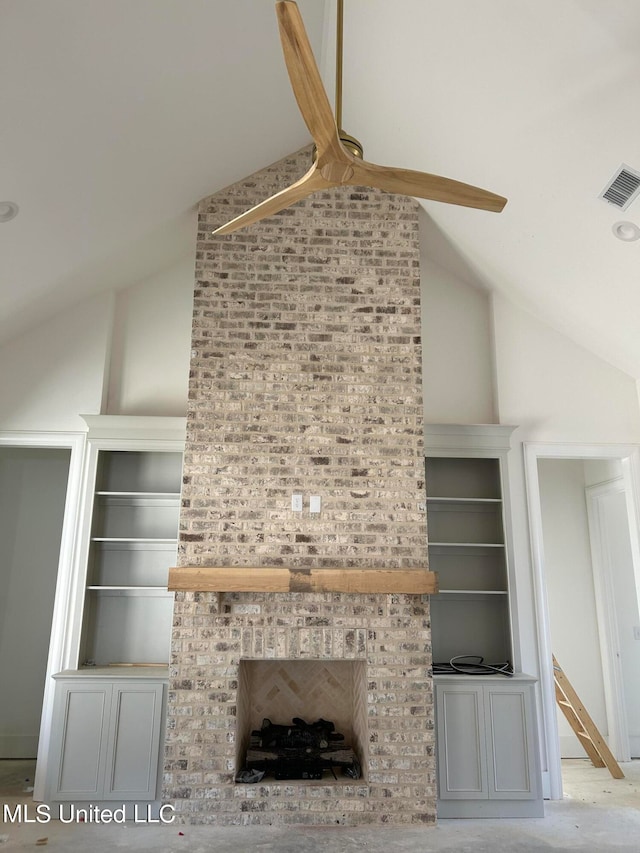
118, 116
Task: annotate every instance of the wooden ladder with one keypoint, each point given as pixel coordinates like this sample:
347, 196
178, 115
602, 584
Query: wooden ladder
582, 724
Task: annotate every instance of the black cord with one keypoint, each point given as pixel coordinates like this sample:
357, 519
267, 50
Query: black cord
472, 665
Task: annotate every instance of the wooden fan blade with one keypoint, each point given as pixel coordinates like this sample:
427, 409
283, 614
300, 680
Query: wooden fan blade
305, 79
307, 184
423, 185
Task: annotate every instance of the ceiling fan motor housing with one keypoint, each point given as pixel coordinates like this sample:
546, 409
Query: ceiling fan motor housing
350, 143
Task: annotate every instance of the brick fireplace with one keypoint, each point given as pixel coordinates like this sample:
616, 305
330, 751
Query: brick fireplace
305, 379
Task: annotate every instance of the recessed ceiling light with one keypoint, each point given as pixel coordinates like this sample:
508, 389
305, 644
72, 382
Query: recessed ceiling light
8, 210
627, 231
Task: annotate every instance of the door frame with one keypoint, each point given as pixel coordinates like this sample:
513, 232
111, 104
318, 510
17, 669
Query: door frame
66, 591
629, 456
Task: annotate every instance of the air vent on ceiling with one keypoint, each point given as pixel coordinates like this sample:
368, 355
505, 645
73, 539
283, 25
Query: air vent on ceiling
623, 187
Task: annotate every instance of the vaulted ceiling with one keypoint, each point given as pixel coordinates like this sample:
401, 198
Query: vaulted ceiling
117, 117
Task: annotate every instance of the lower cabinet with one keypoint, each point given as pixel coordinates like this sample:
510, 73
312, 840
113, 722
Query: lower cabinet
488, 764
106, 741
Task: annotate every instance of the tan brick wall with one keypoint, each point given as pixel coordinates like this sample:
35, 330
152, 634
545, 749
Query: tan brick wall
305, 378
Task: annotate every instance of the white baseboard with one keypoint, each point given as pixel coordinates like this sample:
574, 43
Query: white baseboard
18, 746
570, 747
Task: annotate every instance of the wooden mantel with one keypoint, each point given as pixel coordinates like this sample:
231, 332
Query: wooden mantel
267, 579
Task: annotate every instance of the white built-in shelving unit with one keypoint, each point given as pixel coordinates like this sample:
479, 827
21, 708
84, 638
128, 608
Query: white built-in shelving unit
486, 730
109, 705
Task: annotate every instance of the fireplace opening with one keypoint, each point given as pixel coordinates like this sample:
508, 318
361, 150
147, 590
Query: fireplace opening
301, 719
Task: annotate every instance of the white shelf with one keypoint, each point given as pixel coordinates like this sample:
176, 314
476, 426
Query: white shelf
136, 541
104, 587
472, 592
435, 499
466, 544
151, 595
168, 495
136, 501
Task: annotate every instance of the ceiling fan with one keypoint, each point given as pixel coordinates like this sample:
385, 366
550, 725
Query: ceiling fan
339, 159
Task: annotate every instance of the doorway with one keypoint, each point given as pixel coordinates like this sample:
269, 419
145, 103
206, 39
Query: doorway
584, 526
33, 486
40, 475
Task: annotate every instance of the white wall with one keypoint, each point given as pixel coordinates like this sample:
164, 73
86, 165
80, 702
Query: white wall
556, 390
124, 353
601, 470
151, 345
56, 370
457, 341
33, 484
457, 360
570, 590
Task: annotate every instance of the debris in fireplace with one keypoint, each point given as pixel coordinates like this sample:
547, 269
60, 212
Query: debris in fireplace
298, 751
250, 777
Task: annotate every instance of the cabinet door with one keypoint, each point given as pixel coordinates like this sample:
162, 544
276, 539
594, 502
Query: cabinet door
80, 723
134, 741
462, 771
511, 759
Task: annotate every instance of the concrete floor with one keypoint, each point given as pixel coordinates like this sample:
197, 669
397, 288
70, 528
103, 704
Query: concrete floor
598, 814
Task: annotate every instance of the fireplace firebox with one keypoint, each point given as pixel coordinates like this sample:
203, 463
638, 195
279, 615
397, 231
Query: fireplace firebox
302, 719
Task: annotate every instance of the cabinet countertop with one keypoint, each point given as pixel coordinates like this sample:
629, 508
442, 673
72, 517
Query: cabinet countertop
502, 679
117, 673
